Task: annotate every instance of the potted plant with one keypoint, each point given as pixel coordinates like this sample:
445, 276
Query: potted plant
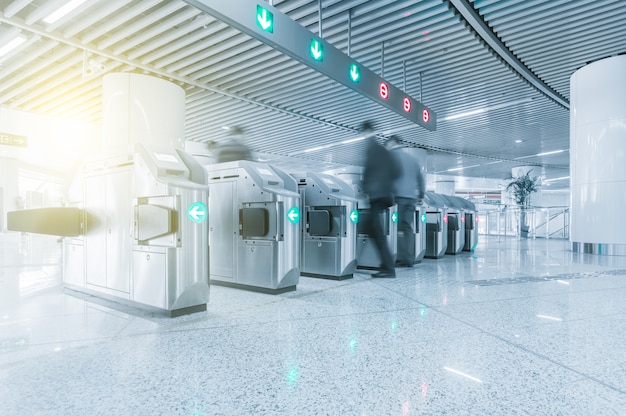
522, 186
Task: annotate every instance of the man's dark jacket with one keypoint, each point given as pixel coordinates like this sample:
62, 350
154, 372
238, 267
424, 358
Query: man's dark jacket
381, 170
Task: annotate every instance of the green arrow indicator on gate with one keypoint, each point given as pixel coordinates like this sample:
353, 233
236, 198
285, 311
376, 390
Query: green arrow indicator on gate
264, 19
293, 215
423, 217
355, 73
394, 217
354, 216
316, 50
197, 212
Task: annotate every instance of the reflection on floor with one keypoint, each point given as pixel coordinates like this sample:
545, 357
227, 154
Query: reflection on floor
520, 327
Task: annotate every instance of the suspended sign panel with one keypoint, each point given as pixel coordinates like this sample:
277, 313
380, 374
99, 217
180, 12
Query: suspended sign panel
267, 24
8, 139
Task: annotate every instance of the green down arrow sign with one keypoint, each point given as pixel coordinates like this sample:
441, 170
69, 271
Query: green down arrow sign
316, 50
264, 19
354, 73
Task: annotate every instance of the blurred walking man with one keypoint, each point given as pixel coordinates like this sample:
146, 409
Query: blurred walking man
408, 191
378, 177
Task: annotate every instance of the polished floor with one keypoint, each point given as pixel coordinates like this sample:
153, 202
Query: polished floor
520, 327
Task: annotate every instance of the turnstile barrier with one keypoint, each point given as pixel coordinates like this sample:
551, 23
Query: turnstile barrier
420, 233
436, 225
254, 228
329, 226
137, 243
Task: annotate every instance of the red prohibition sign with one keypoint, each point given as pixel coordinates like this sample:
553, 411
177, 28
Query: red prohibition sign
383, 91
406, 103
425, 116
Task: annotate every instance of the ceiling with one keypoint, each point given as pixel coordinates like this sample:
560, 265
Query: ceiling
495, 72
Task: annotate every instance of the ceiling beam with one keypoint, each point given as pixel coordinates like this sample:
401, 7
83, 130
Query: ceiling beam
467, 11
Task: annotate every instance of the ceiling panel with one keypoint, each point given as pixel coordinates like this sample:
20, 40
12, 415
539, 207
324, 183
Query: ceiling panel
490, 119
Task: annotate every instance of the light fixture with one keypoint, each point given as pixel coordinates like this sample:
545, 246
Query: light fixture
328, 146
462, 115
356, 139
17, 41
550, 153
550, 318
485, 109
62, 11
562, 178
315, 149
461, 168
553, 152
518, 141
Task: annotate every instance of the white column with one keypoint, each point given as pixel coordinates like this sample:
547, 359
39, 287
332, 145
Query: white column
445, 186
598, 157
141, 109
518, 171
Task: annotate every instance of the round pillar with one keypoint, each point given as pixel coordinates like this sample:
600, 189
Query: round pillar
518, 171
598, 156
445, 186
141, 109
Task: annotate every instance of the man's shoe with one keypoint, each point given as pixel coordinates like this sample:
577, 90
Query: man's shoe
383, 274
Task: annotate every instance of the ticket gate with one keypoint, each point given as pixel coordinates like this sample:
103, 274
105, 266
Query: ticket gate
170, 254
367, 256
436, 226
456, 224
471, 224
420, 233
328, 226
254, 229
141, 235
455, 230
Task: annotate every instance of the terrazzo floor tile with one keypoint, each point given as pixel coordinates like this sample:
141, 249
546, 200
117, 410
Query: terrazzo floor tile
594, 346
504, 316
426, 287
456, 336
387, 369
207, 372
341, 299
578, 304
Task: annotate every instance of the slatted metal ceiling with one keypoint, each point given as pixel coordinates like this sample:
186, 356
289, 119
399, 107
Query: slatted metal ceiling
430, 51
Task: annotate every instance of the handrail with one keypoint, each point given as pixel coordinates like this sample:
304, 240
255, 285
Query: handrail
539, 222
552, 217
